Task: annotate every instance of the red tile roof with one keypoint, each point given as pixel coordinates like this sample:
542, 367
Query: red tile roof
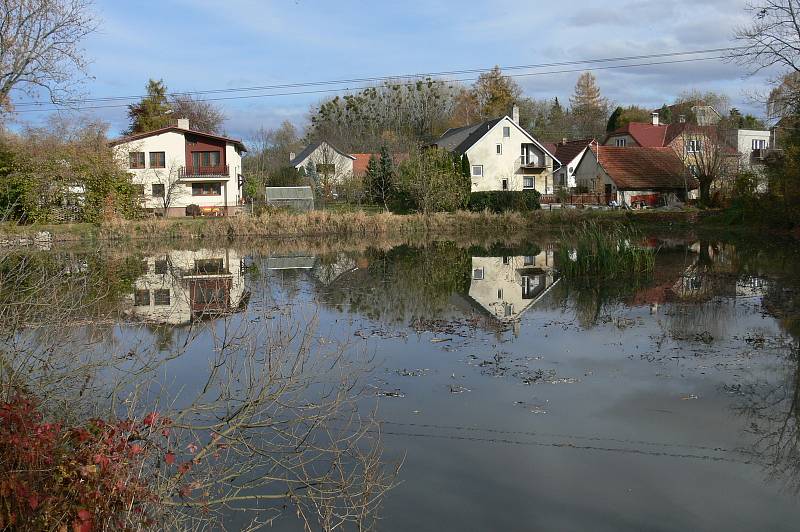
644, 168
566, 151
362, 160
645, 135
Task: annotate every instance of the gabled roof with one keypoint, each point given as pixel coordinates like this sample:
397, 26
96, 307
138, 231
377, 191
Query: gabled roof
311, 148
643, 168
567, 151
645, 135
139, 136
459, 140
361, 160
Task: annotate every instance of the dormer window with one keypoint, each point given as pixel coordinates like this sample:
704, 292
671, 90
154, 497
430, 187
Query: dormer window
622, 142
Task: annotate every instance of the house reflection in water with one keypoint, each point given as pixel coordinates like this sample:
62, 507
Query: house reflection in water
182, 286
505, 287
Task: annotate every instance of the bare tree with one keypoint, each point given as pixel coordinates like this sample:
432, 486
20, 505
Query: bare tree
203, 116
708, 156
172, 187
40, 47
773, 37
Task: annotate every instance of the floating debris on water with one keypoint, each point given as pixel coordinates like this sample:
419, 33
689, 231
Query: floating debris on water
458, 389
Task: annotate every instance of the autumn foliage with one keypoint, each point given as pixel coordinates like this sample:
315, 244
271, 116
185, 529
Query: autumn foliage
82, 478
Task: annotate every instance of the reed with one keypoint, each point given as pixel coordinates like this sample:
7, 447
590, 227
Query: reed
608, 251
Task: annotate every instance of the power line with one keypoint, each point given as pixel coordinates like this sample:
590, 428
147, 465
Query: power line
408, 76
344, 89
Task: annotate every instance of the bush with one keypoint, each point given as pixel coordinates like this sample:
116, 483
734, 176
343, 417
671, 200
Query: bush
504, 201
193, 210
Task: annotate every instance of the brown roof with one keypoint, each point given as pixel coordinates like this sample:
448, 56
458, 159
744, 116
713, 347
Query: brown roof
644, 168
660, 136
566, 151
138, 136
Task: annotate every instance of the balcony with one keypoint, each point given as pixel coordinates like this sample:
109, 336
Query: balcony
194, 172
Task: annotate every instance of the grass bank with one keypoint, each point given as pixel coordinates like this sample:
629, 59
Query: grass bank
351, 224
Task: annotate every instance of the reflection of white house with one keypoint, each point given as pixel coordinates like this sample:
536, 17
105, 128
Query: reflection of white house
505, 287
183, 286
176, 166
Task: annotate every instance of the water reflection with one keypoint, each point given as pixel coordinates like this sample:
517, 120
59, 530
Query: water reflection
182, 286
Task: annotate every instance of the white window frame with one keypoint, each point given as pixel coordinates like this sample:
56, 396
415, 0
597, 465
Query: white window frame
479, 173
477, 274
504, 184
533, 182
758, 144
693, 146
506, 132
621, 143
498, 148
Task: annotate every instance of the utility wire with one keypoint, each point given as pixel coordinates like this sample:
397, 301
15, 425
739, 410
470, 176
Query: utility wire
406, 76
344, 89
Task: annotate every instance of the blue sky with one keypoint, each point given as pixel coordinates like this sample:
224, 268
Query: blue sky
205, 44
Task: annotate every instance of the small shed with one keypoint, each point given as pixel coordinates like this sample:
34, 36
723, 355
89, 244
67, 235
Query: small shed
297, 198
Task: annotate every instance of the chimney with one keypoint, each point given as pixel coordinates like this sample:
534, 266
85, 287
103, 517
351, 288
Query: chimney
292, 155
183, 123
655, 119
682, 119
564, 141
515, 114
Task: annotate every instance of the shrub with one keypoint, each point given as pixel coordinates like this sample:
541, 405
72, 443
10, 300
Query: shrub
504, 201
87, 477
193, 210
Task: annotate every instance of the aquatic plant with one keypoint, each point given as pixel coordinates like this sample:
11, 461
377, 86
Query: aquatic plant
608, 251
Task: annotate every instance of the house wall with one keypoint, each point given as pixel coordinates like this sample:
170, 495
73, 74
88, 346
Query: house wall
324, 154
566, 174
591, 175
742, 140
506, 165
174, 146
630, 142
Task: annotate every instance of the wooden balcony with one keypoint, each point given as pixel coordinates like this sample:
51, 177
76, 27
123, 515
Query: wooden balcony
192, 172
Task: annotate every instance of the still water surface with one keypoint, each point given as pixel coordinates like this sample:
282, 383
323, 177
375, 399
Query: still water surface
517, 400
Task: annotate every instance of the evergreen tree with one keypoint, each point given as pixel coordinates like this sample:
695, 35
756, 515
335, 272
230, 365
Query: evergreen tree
371, 177
614, 120
384, 185
589, 110
152, 111
466, 170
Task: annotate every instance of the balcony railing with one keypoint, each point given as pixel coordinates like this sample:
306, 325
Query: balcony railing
220, 170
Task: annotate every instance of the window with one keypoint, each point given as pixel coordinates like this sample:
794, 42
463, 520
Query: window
693, 146
160, 267
506, 260
505, 184
759, 144
508, 309
499, 293
477, 274
527, 181
499, 149
693, 168
506, 132
527, 260
205, 159
209, 266
621, 143
206, 189
161, 297
477, 170
326, 169
215, 294
136, 159
523, 155
157, 159
158, 191
141, 298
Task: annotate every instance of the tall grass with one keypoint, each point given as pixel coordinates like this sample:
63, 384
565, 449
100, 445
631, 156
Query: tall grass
605, 251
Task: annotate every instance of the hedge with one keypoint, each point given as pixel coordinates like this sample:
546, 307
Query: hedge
504, 200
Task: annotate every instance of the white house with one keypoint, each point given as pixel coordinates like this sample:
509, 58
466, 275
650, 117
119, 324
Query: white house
327, 160
570, 153
176, 167
502, 155
752, 146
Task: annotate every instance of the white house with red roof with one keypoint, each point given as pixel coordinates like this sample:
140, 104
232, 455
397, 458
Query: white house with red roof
175, 167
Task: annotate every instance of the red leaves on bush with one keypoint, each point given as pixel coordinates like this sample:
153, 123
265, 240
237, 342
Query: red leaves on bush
184, 467
169, 458
150, 419
89, 473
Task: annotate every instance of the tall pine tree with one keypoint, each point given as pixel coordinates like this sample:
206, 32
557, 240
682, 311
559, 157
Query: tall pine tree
152, 112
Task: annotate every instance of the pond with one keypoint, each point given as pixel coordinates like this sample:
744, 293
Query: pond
494, 393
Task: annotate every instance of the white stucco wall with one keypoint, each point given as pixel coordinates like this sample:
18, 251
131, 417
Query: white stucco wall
506, 165
742, 140
173, 144
566, 173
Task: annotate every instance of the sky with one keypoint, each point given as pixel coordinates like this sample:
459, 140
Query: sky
206, 45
